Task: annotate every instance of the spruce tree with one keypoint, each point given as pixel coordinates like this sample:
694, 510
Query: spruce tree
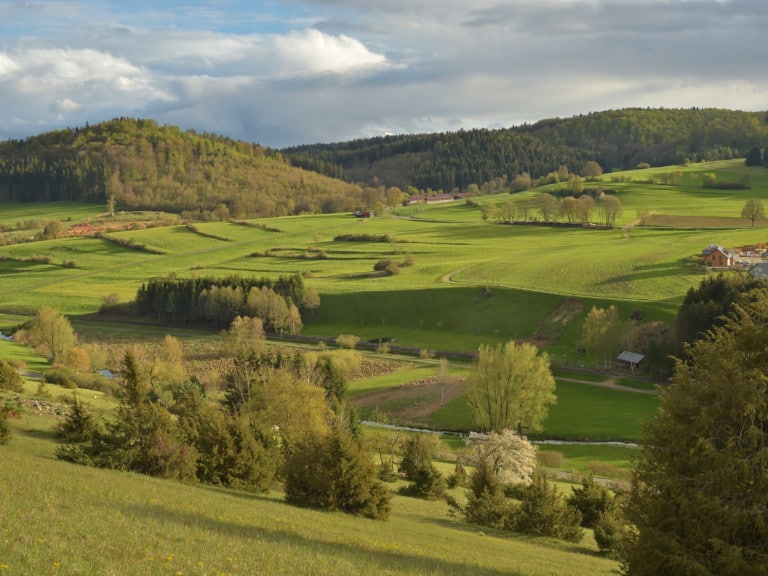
700, 489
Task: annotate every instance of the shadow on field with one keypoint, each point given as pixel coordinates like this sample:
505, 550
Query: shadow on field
375, 561
493, 533
645, 272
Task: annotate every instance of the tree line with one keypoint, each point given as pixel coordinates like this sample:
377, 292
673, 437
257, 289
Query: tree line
616, 139
215, 302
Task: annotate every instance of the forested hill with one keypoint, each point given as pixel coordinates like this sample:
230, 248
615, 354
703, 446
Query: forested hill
141, 165
617, 139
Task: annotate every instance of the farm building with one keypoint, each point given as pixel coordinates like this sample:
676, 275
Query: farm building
432, 198
759, 270
716, 256
632, 359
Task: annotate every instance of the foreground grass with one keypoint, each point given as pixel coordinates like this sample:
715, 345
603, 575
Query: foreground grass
59, 518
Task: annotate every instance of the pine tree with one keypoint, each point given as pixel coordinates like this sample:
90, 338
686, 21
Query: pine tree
700, 489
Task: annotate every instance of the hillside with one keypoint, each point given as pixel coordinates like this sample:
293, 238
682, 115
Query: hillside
141, 165
617, 139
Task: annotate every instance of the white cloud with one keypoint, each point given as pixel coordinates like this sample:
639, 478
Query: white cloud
311, 51
65, 105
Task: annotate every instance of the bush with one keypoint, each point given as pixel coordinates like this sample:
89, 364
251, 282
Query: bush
611, 531
550, 458
9, 377
79, 425
5, 425
426, 482
387, 266
337, 474
348, 341
542, 512
592, 500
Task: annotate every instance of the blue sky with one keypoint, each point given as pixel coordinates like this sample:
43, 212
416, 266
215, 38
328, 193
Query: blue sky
286, 72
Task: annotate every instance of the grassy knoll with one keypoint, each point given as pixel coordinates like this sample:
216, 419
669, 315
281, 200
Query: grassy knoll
65, 519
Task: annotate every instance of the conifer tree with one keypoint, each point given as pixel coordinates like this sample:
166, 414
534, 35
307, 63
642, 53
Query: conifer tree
700, 489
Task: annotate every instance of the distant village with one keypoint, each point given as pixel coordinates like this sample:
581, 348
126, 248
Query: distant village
753, 258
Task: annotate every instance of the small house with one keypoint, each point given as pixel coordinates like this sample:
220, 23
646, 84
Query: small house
716, 256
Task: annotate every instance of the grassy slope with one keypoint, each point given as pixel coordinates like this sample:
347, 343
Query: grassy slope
65, 519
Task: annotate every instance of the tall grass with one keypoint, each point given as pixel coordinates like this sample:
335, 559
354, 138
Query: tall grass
58, 518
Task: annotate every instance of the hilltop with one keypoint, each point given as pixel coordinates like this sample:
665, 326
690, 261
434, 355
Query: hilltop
617, 139
136, 164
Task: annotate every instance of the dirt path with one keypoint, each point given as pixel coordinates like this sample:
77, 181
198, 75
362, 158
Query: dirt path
610, 383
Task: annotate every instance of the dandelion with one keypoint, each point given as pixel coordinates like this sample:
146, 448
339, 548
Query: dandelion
3, 566
57, 565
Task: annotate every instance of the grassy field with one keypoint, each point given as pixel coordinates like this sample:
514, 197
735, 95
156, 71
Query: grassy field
58, 518
470, 283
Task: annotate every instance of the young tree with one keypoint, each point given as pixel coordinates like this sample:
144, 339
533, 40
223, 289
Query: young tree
510, 386
548, 206
575, 185
511, 457
51, 333
609, 208
592, 170
753, 156
753, 210
600, 333
569, 208
700, 488
334, 471
6, 433
586, 205
311, 300
244, 334
10, 378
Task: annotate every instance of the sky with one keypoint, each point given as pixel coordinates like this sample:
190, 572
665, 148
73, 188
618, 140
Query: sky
290, 72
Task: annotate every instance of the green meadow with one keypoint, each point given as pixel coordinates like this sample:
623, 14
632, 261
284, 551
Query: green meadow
470, 282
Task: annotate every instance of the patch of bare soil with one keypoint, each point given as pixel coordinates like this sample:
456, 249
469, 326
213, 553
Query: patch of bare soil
413, 402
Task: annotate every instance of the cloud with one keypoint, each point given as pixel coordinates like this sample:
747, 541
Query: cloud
311, 51
299, 71
65, 105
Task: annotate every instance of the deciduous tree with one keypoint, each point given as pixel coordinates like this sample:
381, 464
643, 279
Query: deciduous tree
753, 210
510, 386
51, 333
511, 457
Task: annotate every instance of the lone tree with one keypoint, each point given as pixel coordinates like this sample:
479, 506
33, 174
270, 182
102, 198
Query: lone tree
511, 386
753, 209
51, 333
700, 488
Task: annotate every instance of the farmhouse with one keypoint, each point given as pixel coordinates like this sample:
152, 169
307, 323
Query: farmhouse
716, 256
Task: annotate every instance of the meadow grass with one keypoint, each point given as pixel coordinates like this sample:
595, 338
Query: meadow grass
59, 518
585, 412
471, 282
577, 458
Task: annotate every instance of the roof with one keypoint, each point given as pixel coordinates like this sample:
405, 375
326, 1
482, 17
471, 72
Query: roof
715, 248
631, 357
759, 270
